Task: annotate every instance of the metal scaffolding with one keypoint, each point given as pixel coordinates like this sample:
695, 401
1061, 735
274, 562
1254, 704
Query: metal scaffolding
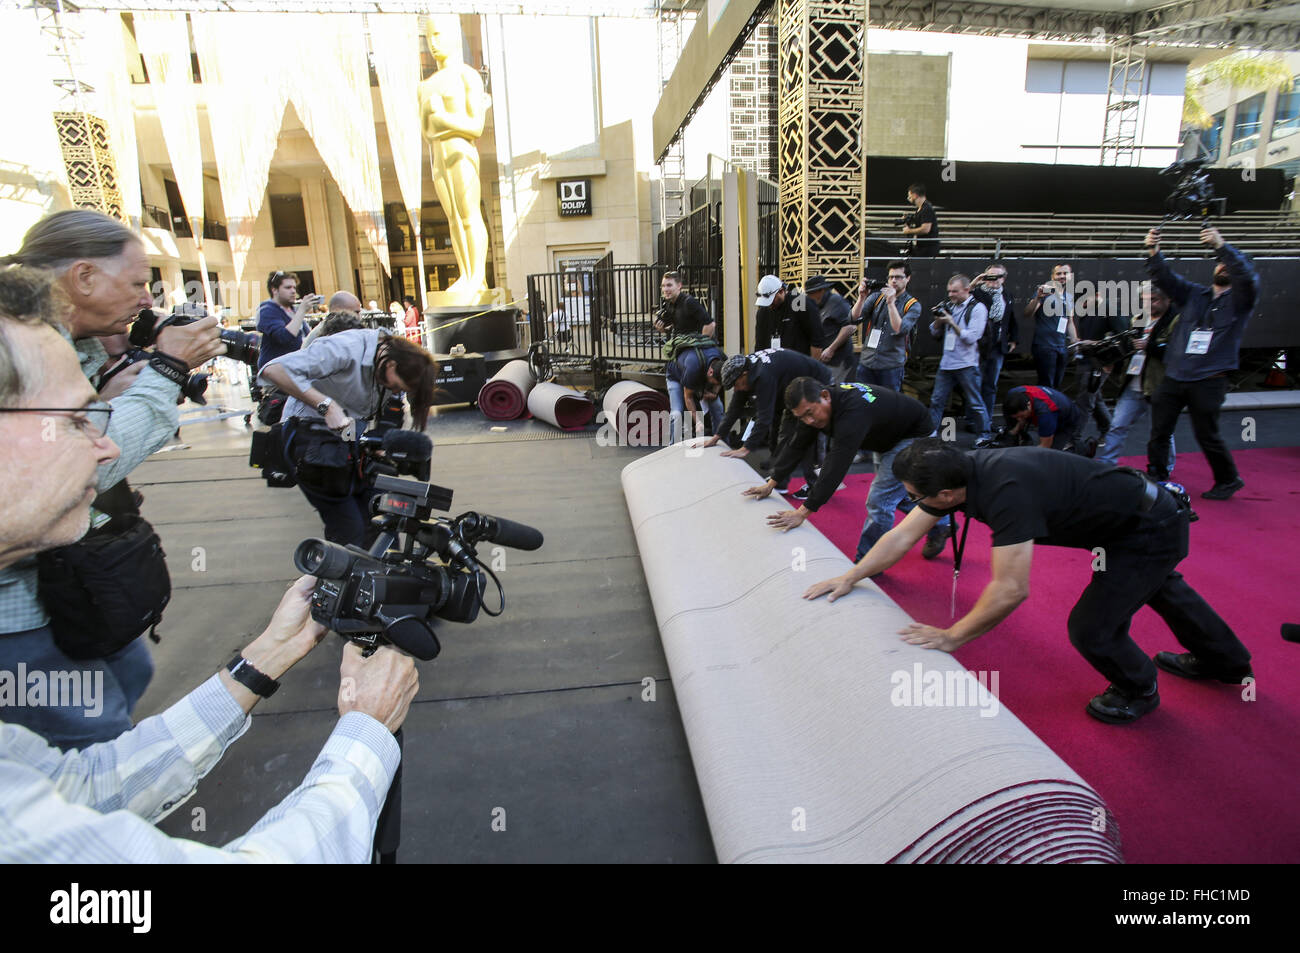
1119, 138
674, 27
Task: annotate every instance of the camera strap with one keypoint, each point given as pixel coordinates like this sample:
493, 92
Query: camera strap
958, 549
172, 368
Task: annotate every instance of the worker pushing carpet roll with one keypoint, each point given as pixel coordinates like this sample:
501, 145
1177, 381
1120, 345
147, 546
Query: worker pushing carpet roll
817, 734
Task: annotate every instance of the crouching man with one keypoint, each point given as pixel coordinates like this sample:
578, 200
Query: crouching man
1032, 496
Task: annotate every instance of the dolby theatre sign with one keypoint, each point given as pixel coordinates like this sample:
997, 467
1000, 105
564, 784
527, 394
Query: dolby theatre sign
574, 196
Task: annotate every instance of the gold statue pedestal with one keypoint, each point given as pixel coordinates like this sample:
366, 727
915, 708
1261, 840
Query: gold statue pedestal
484, 323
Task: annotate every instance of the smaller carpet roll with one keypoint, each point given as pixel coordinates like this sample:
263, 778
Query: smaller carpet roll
560, 406
505, 396
639, 413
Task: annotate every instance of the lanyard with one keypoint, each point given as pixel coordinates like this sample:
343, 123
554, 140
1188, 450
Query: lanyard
958, 549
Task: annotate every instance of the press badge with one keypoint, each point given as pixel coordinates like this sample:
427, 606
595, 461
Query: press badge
949, 341
1199, 342
1062, 325
776, 343
1135, 363
873, 339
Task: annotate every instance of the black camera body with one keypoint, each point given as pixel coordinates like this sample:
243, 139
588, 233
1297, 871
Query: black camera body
195, 386
1193, 194
873, 284
239, 346
392, 592
942, 309
1113, 348
1005, 437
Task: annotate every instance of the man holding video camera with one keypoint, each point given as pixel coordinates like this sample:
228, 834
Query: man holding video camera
337, 381
98, 805
1201, 350
99, 268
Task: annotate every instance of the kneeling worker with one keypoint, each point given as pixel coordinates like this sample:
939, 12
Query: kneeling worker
1048, 411
855, 417
1029, 496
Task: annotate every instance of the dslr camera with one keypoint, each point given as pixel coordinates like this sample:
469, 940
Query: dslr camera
942, 309
1193, 195
194, 388
144, 332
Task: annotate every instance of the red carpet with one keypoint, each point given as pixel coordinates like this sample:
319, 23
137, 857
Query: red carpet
1207, 777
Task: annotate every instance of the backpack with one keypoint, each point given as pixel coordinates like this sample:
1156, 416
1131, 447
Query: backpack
680, 342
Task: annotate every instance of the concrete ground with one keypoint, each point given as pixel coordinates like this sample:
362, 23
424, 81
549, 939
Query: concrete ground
538, 712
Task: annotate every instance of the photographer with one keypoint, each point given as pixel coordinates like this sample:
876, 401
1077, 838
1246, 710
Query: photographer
281, 322
990, 290
97, 805
340, 379
922, 226
1030, 498
887, 317
681, 313
1052, 311
1143, 374
787, 319
1202, 350
99, 270
959, 324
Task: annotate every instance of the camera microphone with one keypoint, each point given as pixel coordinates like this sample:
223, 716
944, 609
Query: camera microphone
407, 445
494, 529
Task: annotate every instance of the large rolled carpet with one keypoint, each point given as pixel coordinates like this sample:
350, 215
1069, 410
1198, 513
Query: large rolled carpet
816, 733
638, 413
560, 406
505, 395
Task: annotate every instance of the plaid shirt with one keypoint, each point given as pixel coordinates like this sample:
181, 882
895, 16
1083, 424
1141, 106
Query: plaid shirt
98, 805
144, 418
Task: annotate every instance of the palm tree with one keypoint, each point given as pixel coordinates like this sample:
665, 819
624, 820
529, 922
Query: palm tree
1242, 70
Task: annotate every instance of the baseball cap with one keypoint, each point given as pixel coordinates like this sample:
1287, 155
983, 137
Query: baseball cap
732, 369
768, 286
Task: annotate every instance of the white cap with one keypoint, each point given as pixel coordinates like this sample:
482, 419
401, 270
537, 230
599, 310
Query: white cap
768, 286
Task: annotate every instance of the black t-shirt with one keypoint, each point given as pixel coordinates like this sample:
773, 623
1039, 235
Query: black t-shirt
685, 315
797, 321
770, 373
927, 244
862, 418
1053, 498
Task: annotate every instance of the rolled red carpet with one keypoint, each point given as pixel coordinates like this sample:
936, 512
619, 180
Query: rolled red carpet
505, 396
560, 406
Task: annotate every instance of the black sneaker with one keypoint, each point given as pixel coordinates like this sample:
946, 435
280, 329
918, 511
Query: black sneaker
1115, 706
1222, 491
1187, 665
800, 494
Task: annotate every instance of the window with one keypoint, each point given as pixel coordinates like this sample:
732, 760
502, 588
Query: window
289, 223
180, 224
1212, 138
193, 286
1287, 120
1245, 133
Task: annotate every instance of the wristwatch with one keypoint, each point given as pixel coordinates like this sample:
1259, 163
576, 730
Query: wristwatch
242, 671
324, 405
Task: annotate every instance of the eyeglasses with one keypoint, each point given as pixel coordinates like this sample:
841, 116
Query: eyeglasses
915, 498
92, 420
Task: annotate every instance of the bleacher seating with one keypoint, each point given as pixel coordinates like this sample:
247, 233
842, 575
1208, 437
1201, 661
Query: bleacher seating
999, 234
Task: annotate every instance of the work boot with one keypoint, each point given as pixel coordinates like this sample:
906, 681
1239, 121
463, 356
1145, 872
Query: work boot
934, 541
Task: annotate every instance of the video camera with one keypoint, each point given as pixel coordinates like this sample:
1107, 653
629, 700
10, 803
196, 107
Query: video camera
391, 593
1113, 348
1192, 195
239, 346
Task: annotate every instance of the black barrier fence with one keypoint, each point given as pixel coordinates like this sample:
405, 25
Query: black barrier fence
609, 310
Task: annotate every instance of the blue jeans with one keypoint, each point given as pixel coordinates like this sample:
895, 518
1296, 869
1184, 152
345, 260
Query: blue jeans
677, 406
886, 493
97, 709
1129, 409
1051, 367
967, 378
990, 370
890, 377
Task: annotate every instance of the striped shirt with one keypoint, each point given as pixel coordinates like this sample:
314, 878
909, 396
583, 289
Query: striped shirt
144, 418
98, 805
